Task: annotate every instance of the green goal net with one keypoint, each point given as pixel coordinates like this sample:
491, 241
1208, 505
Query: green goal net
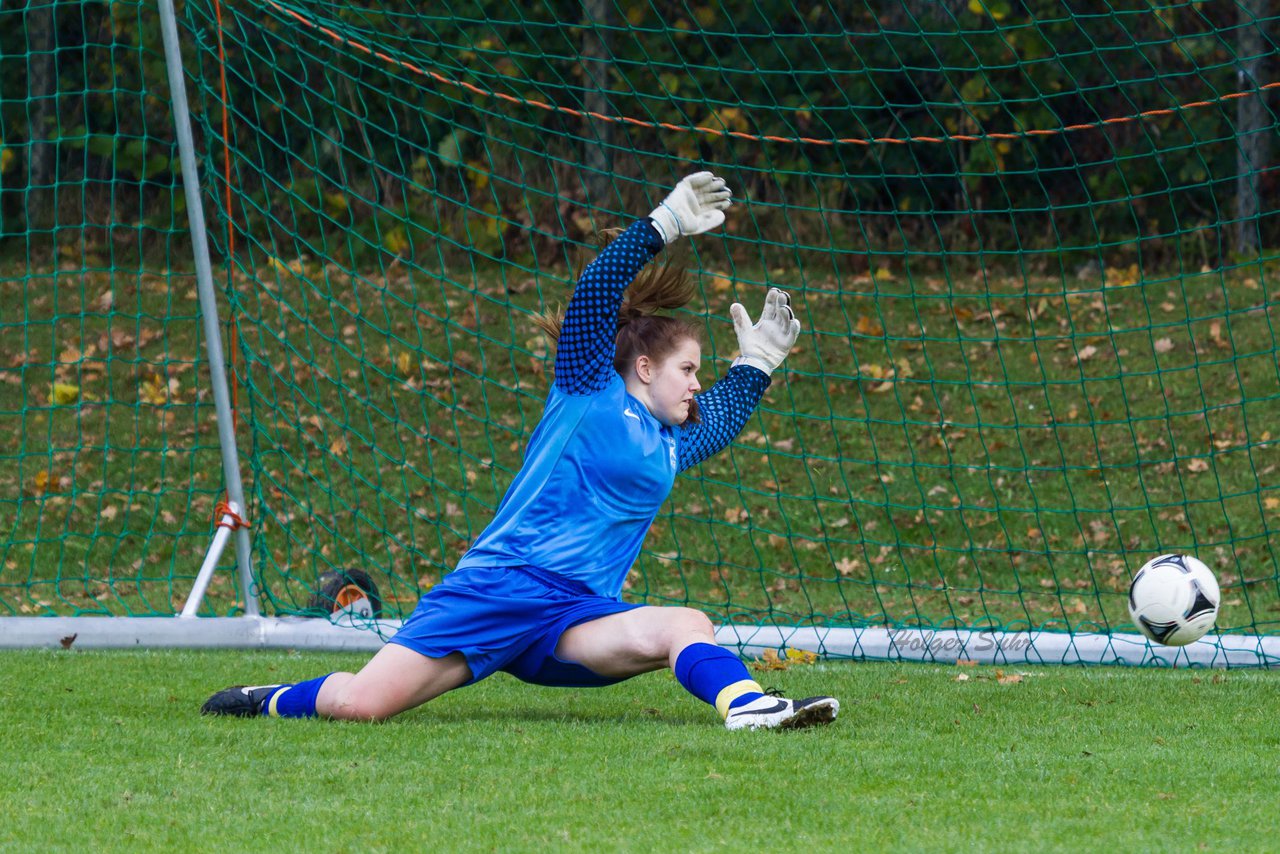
1032, 249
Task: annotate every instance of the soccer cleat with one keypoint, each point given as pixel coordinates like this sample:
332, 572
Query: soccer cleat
774, 712
242, 701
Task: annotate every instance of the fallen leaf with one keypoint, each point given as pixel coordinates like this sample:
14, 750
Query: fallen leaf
876, 379
1197, 465
1164, 345
868, 327
65, 394
770, 661
720, 283
154, 391
294, 266
43, 483
801, 656
1085, 353
848, 566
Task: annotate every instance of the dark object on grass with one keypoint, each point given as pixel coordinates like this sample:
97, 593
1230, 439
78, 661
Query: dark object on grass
343, 590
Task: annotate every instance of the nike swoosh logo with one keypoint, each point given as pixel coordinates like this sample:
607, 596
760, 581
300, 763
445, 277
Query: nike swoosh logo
781, 706
630, 414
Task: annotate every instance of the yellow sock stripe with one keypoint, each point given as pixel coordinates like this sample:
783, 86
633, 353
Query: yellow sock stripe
275, 698
732, 692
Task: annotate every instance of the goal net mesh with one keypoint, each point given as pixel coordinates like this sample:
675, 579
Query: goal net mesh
1031, 252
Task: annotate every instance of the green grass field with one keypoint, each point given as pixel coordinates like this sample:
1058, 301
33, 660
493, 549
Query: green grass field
105, 751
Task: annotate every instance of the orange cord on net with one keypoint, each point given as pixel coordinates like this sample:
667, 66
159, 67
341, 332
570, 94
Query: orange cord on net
237, 521
878, 140
223, 509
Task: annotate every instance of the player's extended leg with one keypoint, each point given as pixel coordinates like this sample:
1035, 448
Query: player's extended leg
644, 639
636, 641
394, 680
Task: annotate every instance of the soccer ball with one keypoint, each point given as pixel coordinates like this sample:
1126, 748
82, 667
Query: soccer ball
1174, 599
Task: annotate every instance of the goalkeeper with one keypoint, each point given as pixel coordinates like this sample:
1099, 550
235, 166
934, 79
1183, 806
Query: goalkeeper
537, 594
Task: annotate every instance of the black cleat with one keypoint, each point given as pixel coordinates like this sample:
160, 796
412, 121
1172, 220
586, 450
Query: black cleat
242, 701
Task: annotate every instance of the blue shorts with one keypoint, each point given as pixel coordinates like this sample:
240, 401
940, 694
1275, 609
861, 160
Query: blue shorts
507, 619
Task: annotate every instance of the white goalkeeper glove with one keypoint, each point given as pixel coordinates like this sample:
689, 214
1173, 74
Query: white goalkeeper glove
697, 204
765, 344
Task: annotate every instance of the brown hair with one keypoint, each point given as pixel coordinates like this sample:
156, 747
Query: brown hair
641, 330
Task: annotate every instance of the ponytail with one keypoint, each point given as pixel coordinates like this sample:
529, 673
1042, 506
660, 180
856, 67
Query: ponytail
658, 287
641, 330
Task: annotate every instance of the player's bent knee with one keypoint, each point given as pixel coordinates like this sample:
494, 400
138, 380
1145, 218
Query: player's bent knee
690, 621
679, 628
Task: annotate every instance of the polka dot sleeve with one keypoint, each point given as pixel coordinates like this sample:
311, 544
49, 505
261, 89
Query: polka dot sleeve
584, 354
725, 408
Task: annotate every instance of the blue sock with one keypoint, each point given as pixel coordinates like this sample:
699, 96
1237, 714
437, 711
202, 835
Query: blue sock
295, 701
715, 676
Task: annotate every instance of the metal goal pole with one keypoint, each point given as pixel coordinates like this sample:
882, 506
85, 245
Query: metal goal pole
212, 333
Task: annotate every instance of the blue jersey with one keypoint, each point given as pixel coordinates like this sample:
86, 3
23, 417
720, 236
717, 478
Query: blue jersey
599, 465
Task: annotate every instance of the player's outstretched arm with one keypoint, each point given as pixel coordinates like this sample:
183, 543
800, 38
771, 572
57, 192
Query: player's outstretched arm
585, 350
726, 406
